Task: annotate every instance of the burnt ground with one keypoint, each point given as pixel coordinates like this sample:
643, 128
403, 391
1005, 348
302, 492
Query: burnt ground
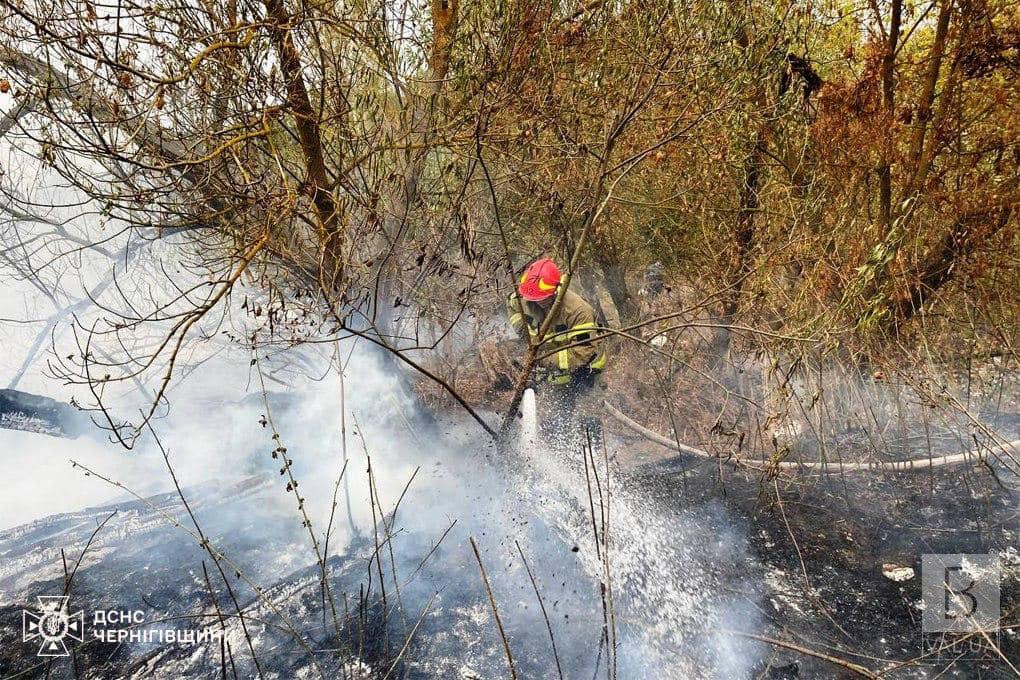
841, 530
845, 529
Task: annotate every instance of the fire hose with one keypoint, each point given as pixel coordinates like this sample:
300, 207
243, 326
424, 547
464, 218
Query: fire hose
976, 455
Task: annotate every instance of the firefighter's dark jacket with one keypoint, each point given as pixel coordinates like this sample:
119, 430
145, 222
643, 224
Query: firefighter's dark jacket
574, 323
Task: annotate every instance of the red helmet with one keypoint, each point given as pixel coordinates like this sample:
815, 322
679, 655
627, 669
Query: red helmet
539, 280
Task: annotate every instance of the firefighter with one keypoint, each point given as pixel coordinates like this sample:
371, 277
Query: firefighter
568, 377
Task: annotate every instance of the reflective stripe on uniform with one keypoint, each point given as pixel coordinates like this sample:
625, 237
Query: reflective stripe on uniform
599, 362
569, 337
573, 332
581, 329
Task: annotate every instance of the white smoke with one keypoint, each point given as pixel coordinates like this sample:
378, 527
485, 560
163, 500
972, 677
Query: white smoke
667, 599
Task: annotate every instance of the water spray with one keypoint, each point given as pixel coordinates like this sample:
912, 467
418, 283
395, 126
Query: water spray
529, 419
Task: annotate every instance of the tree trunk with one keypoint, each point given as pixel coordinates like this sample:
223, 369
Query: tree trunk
744, 236
967, 234
327, 210
889, 106
614, 277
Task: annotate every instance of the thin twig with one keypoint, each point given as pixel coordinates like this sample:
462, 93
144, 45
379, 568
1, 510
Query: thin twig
541, 604
495, 610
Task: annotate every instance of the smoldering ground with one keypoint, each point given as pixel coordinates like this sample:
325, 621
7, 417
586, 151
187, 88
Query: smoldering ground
406, 592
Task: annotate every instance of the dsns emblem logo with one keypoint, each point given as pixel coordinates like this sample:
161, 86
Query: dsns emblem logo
51, 625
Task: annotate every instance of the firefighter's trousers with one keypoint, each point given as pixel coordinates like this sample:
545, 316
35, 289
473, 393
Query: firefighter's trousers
573, 410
